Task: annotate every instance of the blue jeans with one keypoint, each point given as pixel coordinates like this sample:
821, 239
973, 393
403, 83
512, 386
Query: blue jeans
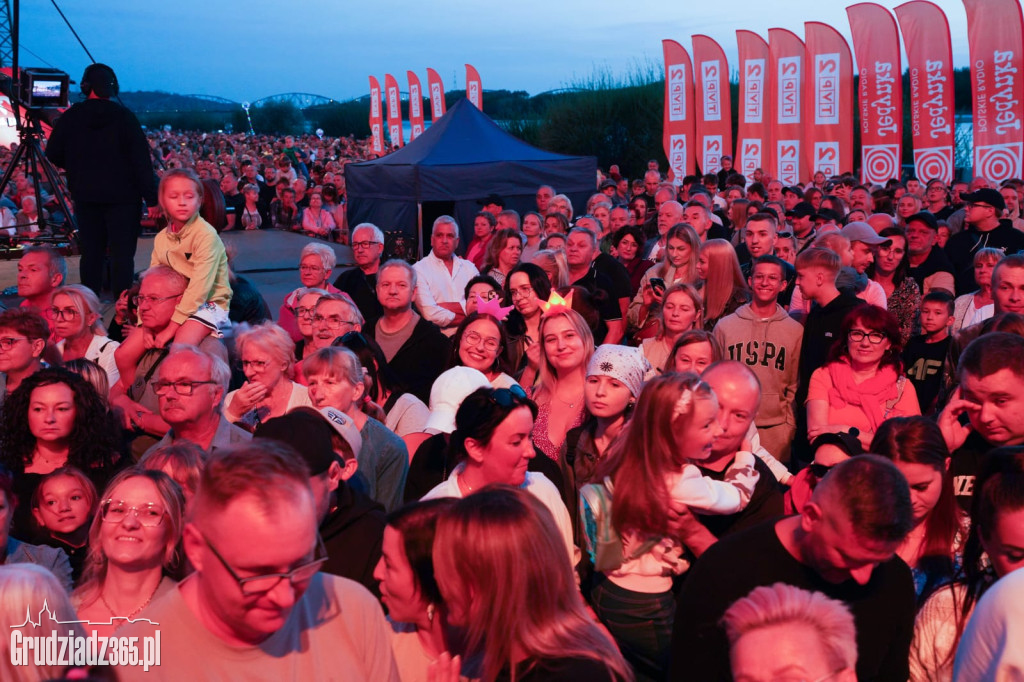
641, 624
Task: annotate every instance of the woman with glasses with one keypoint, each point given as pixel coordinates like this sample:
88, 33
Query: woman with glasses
134, 544
492, 444
527, 289
305, 308
316, 261
266, 357
862, 384
480, 343
76, 320
54, 419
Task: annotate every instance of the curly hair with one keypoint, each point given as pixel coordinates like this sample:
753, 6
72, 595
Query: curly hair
95, 437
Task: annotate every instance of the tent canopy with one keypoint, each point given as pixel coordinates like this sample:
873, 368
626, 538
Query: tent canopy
462, 158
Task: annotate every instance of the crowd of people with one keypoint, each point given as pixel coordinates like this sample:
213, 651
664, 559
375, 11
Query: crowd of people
708, 429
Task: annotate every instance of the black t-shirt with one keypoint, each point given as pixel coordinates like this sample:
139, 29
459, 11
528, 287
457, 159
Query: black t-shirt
766, 504
883, 609
617, 274
923, 362
965, 465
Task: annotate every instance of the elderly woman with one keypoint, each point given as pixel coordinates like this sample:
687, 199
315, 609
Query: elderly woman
316, 261
75, 316
266, 355
134, 541
305, 309
862, 384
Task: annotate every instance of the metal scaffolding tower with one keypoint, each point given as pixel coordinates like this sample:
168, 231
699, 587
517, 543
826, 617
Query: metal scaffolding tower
6, 55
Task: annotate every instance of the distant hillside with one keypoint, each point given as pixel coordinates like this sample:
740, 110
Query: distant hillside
156, 101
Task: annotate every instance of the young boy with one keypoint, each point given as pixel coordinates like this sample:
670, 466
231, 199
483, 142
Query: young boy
190, 246
925, 353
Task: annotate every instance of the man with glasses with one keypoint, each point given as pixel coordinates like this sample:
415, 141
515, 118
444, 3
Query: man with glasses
360, 282
190, 386
159, 292
984, 227
256, 606
442, 278
334, 315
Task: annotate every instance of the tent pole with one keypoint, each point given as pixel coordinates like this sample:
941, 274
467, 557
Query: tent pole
419, 222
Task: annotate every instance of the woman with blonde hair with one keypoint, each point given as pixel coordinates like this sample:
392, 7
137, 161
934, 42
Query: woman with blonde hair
565, 348
505, 577
27, 587
682, 311
724, 289
978, 305
76, 318
266, 355
678, 264
123, 577
554, 265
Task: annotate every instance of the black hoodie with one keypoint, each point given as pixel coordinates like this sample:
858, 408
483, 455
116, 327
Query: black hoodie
105, 153
353, 533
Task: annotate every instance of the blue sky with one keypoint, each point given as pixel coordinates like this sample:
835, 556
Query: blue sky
248, 50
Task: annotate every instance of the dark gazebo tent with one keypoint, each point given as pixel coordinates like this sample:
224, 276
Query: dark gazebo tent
460, 159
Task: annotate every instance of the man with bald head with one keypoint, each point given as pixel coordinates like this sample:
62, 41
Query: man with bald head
842, 543
256, 606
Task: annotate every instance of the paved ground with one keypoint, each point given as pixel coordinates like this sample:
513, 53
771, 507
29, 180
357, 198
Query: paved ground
268, 258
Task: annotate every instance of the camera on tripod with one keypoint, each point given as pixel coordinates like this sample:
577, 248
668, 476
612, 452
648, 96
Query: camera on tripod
44, 88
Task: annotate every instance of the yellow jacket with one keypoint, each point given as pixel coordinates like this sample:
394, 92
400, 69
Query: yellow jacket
196, 252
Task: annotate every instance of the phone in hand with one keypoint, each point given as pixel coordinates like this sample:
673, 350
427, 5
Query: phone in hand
658, 284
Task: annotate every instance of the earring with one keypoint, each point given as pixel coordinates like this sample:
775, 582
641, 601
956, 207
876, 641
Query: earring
430, 613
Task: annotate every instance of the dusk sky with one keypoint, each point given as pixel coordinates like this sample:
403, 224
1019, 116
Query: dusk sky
248, 50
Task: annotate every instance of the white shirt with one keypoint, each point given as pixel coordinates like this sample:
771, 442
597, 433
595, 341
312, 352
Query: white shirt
537, 485
990, 648
436, 285
101, 351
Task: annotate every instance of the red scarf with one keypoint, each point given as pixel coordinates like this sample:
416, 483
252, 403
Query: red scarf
870, 395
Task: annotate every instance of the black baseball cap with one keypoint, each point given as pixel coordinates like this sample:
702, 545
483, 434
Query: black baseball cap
925, 217
985, 195
803, 209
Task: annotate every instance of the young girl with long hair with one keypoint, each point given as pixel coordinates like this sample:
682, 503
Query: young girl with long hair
650, 465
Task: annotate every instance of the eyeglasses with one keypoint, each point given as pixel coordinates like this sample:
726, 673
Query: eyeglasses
148, 515
180, 387
332, 322
363, 245
521, 292
61, 314
474, 339
310, 268
304, 312
151, 300
972, 204
261, 584
255, 365
856, 335
7, 342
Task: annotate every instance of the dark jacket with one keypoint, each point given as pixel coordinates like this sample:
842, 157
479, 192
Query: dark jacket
361, 288
421, 359
353, 533
962, 246
105, 153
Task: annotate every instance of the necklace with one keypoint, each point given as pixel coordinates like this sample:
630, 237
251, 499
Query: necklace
133, 613
564, 402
